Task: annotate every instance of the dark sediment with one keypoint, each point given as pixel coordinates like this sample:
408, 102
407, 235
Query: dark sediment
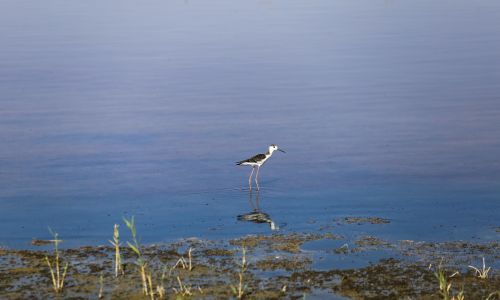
278, 268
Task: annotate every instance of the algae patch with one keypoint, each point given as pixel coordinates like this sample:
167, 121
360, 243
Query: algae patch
280, 242
362, 220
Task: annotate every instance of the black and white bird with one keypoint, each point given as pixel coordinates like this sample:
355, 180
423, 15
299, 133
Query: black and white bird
257, 161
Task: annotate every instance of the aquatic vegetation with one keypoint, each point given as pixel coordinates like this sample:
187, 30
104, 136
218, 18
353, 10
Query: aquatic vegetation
244, 263
183, 289
140, 261
182, 263
460, 296
116, 244
445, 284
240, 290
160, 288
101, 286
157, 291
146, 275
221, 272
481, 273
185, 264
190, 259
492, 295
150, 285
55, 272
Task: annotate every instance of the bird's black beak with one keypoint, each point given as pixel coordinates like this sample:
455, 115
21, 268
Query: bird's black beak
281, 150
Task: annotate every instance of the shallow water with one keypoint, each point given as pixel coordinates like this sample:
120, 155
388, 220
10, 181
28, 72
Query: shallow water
385, 108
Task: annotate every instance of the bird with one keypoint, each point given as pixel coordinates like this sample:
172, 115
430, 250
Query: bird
257, 161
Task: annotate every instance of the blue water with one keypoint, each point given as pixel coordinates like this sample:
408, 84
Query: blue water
112, 109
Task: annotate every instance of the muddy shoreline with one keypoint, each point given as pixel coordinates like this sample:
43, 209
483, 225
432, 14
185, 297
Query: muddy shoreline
277, 266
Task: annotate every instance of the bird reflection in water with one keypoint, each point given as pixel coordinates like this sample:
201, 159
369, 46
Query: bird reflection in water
256, 215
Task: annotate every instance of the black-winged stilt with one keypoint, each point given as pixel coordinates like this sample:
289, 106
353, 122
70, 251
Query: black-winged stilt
257, 161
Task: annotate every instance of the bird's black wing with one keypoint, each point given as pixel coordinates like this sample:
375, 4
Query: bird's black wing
253, 159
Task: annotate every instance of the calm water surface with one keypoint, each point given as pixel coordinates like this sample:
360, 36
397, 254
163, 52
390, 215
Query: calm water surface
112, 109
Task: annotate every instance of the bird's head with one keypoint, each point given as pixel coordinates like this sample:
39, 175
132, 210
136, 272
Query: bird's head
274, 147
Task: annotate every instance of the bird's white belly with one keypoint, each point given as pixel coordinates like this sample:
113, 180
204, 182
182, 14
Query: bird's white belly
254, 164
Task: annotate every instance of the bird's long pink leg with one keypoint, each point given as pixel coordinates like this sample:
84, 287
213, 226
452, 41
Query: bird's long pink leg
250, 179
257, 178
257, 204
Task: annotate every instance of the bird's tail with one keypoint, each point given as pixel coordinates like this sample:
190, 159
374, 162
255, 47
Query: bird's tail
238, 163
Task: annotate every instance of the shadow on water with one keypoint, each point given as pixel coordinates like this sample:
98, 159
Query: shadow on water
256, 215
